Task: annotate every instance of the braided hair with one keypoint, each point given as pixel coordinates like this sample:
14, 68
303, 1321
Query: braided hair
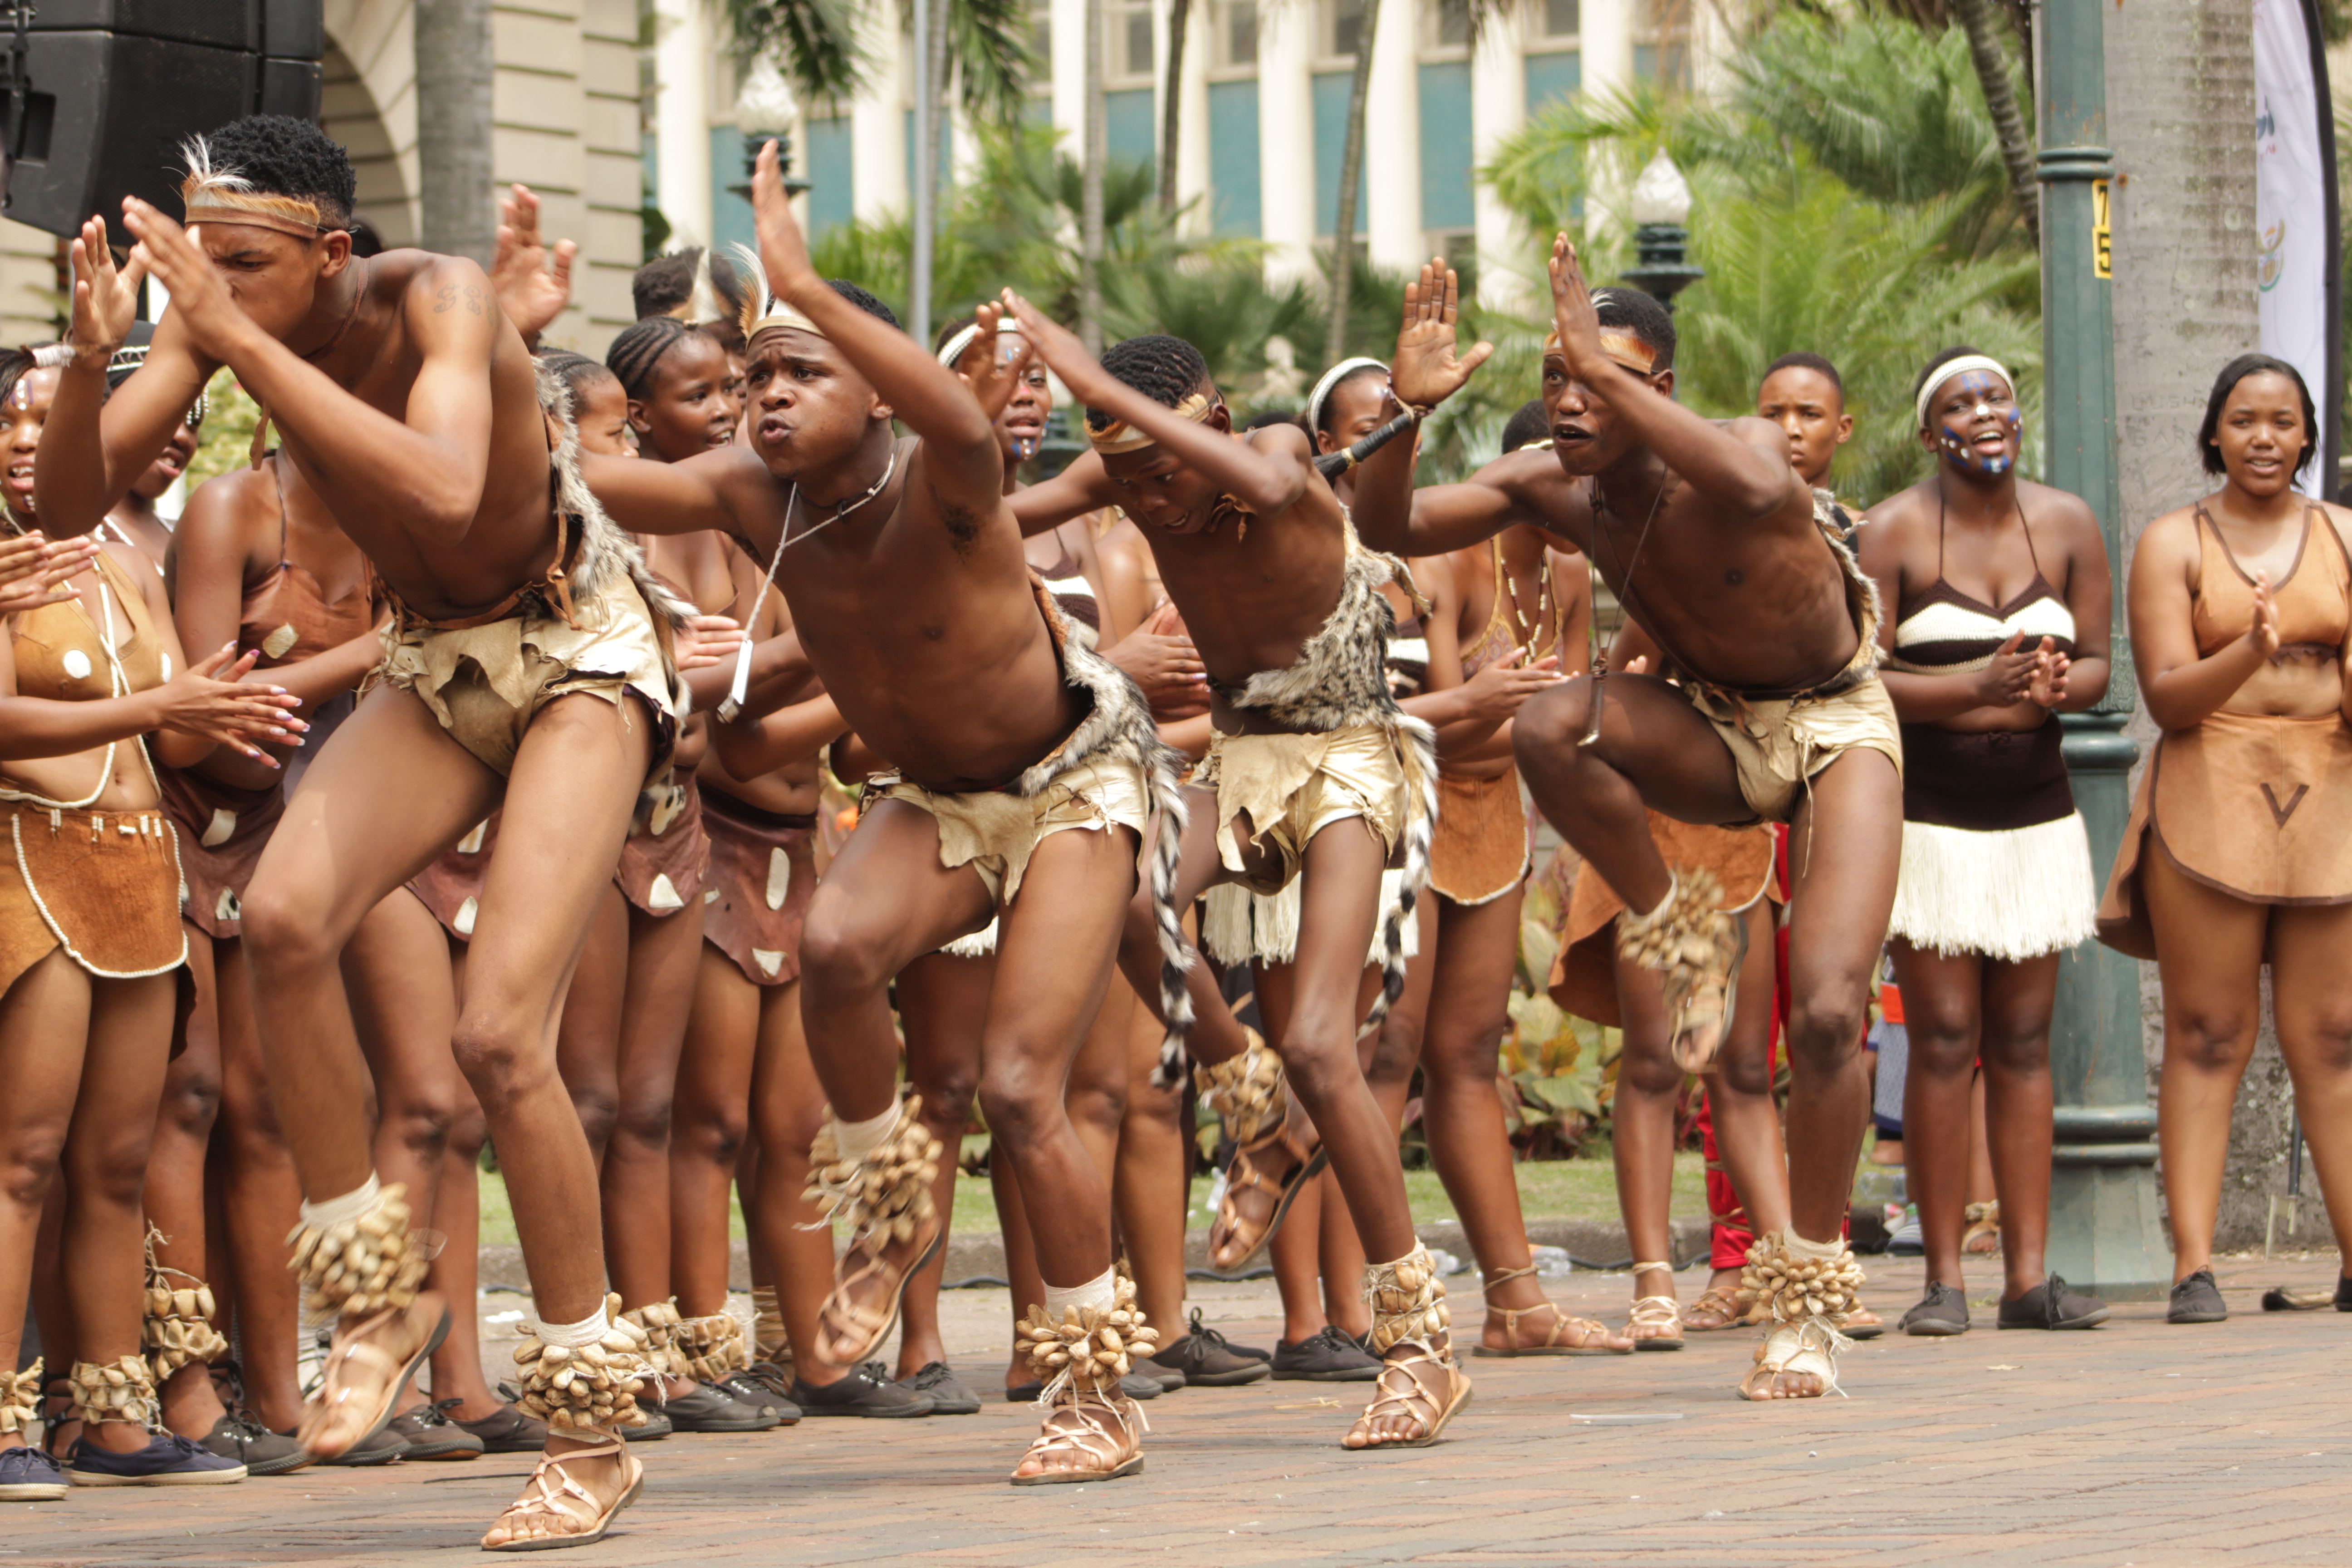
640, 347
1164, 369
576, 371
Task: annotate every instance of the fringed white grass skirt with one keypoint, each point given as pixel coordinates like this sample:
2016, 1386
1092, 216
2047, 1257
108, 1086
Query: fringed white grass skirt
1238, 926
2011, 895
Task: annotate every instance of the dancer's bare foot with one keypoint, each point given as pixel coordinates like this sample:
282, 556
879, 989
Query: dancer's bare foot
1266, 1174
1796, 1360
1418, 1395
573, 1495
869, 1283
1720, 1306
367, 1371
1085, 1438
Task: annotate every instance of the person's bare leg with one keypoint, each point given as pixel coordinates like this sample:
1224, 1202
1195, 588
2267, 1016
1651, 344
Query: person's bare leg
1295, 1253
177, 1196
261, 1200
105, 1167
1150, 1192
2314, 1007
44, 1038
787, 1111
710, 1120
664, 954
2015, 1047
398, 948
2208, 955
1339, 1251
1942, 1008
1024, 1283
588, 1037
1746, 1119
456, 1272
942, 999
1216, 1034
1641, 1138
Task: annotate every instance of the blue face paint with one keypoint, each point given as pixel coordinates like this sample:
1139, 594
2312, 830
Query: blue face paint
1988, 395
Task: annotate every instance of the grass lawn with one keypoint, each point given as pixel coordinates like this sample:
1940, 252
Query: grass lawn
1549, 1189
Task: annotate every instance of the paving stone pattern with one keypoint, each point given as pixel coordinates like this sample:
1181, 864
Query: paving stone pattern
2138, 1443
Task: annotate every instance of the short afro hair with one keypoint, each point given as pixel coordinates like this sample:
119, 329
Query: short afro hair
1164, 369
1803, 360
1270, 418
666, 283
862, 300
281, 156
1531, 424
1629, 310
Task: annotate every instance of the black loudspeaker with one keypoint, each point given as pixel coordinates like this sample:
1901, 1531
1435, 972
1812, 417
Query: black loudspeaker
115, 86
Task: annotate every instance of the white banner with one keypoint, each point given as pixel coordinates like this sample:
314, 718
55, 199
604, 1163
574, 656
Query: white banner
2291, 204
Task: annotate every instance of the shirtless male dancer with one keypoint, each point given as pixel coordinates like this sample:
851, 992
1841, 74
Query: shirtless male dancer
1315, 773
1711, 540
523, 659
1026, 772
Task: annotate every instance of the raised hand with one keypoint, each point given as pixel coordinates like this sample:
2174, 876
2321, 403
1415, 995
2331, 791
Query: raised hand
35, 570
1427, 370
208, 701
2010, 677
1499, 690
214, 321
783, 250
105, 299
1574, 317
1059, 348
533, 282
706, 640
992, 377
2265, 632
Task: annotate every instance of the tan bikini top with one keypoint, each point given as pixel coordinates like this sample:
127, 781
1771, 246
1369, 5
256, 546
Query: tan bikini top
64, 656
2314, 600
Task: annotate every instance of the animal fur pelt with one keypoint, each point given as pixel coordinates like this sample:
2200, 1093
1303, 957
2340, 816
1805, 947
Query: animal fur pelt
1341, 680
1119, 724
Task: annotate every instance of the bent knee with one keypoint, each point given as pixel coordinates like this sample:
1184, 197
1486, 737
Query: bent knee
838, 954
1825, 1032
502, 1059
1545, 730
28, 1166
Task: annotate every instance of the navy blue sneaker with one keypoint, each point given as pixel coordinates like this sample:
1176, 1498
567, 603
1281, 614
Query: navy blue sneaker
28, 1475
167, 1460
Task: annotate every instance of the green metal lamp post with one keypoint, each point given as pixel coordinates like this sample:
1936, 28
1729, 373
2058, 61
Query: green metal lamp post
2105, 1232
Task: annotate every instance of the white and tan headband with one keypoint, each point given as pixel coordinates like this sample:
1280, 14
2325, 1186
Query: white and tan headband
762, 312
1952, 369
223, 195
1331, 379
1119, 436
952, 349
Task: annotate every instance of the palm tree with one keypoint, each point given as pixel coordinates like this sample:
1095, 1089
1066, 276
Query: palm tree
814, 42
2000, 102
1171, 119
453, 127
1351, 174
1096, 149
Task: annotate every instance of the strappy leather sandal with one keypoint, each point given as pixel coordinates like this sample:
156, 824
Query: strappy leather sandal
1726, 1304
1807, 1347
1983, 1235
849, 1330
1091, 1425
1567, 1335
544, 1503
1234, 1238
1663, 1316
1400, 1393
361, 1374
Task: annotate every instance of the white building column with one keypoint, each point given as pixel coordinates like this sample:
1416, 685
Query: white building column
877, 128
1392, 138
1606, 45
1193, 121
682, 55
1069, 48
1499, 106
1286, 139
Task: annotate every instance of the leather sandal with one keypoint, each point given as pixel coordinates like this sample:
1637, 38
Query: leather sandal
1567, 1335
1807, 1347
1090, 1424
850, 1330
1234, 1238
1662, 1317
1400, 1393
1725, 1304
566, 1514
361, 1374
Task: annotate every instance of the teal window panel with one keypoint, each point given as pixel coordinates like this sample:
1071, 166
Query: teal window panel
829, 164
1233, 157
1553, 76
1132, 124
730, 215
1331, 92
1447, 155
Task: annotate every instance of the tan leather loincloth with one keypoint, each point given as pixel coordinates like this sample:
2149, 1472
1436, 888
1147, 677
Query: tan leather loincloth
486, 683
995, 831
1293, 786
2251, 804
662, 860
1777, 746
756, 890
222, 833
1480, 851
103, 885
1583, 978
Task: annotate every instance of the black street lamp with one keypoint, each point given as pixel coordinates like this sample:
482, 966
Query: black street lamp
1662, 203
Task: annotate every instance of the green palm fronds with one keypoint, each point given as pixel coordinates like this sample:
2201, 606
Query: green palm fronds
816, 43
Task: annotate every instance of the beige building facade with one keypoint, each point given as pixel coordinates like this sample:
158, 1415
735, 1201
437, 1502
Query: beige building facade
565, 108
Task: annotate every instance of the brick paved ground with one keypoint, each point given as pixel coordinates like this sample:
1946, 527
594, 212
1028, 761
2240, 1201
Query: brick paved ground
2138, 1443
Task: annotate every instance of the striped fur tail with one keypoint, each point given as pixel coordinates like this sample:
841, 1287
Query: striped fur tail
1417, 743
1175, 954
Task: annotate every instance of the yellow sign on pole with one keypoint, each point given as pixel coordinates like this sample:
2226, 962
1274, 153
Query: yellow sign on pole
2103, 254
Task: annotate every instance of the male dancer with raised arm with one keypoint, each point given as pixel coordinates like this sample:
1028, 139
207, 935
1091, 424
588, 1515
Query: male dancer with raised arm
523, 663
1026, 770
1714, 543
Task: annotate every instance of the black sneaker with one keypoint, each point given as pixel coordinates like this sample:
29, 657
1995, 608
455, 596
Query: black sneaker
747, 1389
2343, 1293
936, 1381
1135, 1385
653, 1428
508, 1432
431, 1434
2053, 1304
1941, 1312
706, 1407
865, 1391
2197, 1300
1207, 1359
28, 1475
239, 1438
1327, 1355
380, 1448
167, 1460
